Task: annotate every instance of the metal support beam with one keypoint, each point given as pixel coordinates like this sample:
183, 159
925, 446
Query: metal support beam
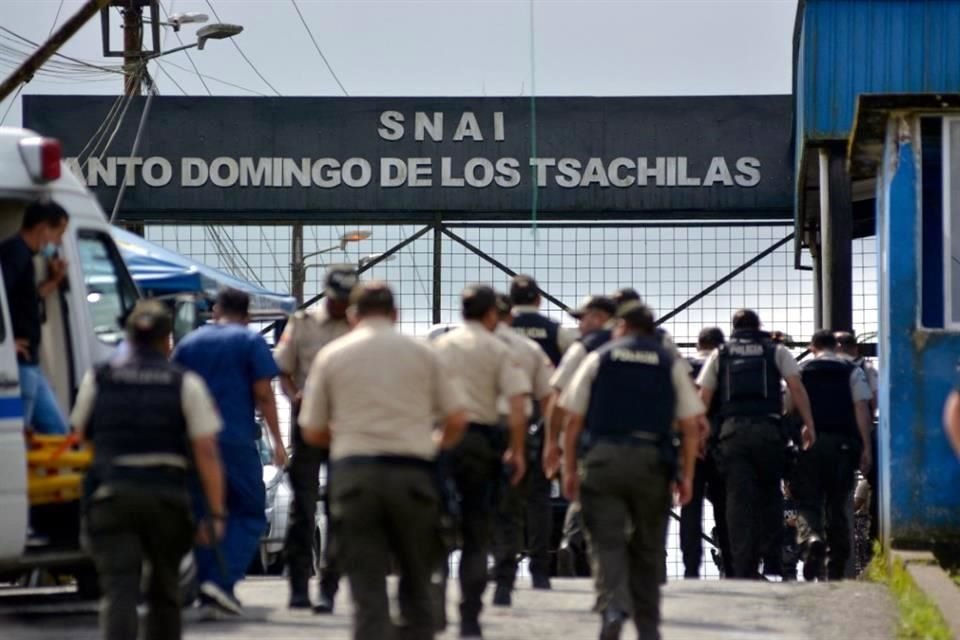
499, 265
817, 291
437, 269
727, 278
836, 239
298, 270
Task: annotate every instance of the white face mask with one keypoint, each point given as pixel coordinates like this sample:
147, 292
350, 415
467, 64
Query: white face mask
49, 250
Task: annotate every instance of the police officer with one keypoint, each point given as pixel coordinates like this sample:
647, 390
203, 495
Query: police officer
595, 317
147, 419
626, 398
372, 398
528, 321
305, 334
745, 374
824, 480
486, 371
529, 502
706, 479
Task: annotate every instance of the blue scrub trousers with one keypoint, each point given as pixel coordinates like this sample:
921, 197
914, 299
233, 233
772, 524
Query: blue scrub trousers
40, 409
246, 522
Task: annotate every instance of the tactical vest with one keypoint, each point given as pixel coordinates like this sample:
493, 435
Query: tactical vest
542, 330
696, 366
831, 401
748, 377
632, 397
138, 411
596, 339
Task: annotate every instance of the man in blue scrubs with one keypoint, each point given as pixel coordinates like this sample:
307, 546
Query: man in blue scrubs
237, 366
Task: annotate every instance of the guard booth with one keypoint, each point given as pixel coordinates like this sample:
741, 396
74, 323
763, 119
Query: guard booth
878, 152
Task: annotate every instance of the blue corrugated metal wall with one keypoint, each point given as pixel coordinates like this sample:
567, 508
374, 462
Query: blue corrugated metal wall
849, 47
919, 472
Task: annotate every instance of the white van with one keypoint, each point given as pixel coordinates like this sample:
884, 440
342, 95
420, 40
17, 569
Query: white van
82, 328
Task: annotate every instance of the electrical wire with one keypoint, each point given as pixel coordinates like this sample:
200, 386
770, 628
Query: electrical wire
61, 55
193, 64
171, 78
242, 54
215, 79
317, 47
55, 18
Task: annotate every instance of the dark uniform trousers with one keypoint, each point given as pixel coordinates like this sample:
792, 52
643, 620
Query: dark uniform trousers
624, 497
707, 483
751, 458
822, 487
298, 546
525, 507
127, 526
476, 466
387, 509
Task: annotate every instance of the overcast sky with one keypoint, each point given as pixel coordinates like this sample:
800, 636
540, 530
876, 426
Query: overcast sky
456, 47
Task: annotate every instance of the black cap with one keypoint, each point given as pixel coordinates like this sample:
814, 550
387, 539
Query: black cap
148, 323
477, 300
625, 294
846, 339
339, 282
637, 315
595, 303
524, 289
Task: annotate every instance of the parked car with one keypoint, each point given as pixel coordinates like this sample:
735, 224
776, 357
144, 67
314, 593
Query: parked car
279, 495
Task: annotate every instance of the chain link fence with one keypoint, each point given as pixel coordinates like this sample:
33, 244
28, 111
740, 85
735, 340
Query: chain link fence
693, 274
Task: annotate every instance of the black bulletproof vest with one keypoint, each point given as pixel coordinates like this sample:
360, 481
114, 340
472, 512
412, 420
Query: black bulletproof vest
696, 366
541, 330
632, 394
138, 411
748, 377
831, 401
596, 339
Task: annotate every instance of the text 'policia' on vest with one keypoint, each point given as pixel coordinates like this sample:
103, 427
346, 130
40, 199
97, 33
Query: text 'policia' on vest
749, 380
542, 330
831, 400
632, 396
138, 412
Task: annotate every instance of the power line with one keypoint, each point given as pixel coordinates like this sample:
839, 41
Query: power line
61, 55
55, 18
215, 79
189, 57
171, 78
242, 54
317, 47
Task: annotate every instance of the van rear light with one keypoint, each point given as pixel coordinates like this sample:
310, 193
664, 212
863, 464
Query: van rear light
41, 156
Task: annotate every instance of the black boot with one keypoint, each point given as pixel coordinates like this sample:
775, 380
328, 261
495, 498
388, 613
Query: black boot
299, 590
502, 596
611, 624
813, 559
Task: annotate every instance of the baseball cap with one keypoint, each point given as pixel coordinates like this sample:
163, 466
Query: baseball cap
637, 314
595, 303
339, 282
625, 294
524, 289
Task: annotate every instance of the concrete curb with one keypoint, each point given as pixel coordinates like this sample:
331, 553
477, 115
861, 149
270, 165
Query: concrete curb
935, 583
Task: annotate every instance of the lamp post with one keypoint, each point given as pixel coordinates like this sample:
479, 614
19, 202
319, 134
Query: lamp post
299, 266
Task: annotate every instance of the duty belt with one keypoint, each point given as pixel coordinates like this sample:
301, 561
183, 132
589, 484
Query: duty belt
632, 438
385, 460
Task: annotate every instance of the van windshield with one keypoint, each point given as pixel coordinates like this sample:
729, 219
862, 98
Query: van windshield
110, 291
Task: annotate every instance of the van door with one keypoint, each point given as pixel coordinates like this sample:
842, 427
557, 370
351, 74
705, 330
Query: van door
13, 471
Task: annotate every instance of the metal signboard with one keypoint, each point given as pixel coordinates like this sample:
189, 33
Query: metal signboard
405, 159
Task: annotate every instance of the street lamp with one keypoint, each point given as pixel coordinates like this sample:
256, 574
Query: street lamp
298, 267
365, 260
179, 19
217, 31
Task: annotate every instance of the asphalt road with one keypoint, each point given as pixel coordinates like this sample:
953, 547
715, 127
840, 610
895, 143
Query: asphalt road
704, 610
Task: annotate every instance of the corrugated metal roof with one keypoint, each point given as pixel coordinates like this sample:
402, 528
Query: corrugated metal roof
850, 47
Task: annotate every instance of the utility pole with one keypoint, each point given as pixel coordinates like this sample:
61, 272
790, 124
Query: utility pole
25, 71
132, 47
298, 270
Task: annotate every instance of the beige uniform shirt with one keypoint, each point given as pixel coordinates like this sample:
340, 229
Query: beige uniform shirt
484, 369
379, 393
198, 406
305, 334
533, 362
576, 397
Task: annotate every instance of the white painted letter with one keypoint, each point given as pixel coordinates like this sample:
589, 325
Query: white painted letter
683, 179
594, 173
569, 170
187, 176
468, 127
166, 172
644, 172
446, 174
486, 172
613, 172
420, 171
433, 127
541, 164
255, 174
393, 172
749, 169
498, 131
718, 172
326, 173
508, 173
391, 128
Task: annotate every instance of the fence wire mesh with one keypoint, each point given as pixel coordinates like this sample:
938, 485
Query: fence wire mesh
669, 263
